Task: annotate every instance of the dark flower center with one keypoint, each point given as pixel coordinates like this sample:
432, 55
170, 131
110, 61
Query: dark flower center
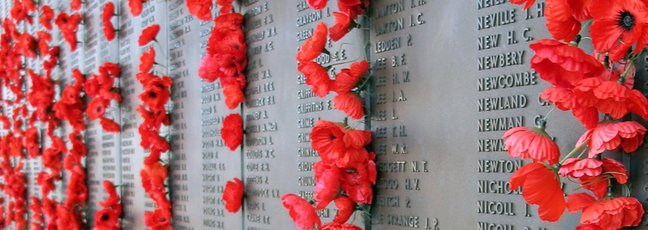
105, 217
153, 95
626, 20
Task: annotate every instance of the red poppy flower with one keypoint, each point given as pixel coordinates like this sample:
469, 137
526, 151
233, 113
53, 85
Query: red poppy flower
232, 131
113, 198
147, 60
31, 142
611, 97
560, 22
561, 64
338, 226
29, 5
626, 135
346, 207
341, 27
531, 143
564, 99
302, 213
314, 45
617, 26
233, 95
316, 77
96, 108
527, 3
91, 87
152, 139
350, 104
232, 195
46, 182
135, 7
158, 219
327, 140
357, 181
106, 219
328, 183
588, 227
226, 6
109, 30
19, 13
200, 8
353, 7
540, 187
317, 4
156, 93
149, 34
112, 68
67, 22
606, 213
615, 169
348, 79
109, 125
578, 168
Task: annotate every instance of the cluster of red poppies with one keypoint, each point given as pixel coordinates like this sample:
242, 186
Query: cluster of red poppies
345, 18
588, 85
347, 83
155, 96
102, 88
108, 217
226, 57
344, 175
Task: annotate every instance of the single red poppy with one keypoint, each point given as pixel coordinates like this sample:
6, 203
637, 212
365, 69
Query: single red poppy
106, 219
200, 8
32, 142
606, 213
353, 7
346, 207
147, 60
562, 64
578, 168
348, 79
233, 95
149, 34
301, 211
341, 27
226, 6
327, 140
627, 135
560, 22
75, 4
112, 68
540, 187
316, 77
356, 182
109, 125
617, 26
109, 30
233, 195
113, 198
588, 227
158, 219
350, 104
616, 170
531, 143
317, 4
96, 108
232, 131
526, 3
327, 185
339, 226
314, 45
135, 7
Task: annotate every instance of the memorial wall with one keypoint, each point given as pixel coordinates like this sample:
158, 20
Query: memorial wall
446, 80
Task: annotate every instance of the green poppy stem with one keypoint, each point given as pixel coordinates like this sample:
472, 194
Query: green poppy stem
573, 151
